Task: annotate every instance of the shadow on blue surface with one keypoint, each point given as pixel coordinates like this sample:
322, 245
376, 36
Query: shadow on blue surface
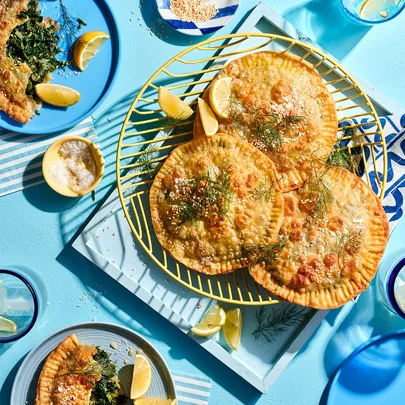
5, 391
325, 23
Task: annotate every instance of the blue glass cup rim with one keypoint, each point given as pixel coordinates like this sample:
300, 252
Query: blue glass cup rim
36, 306
370, 22
400, 265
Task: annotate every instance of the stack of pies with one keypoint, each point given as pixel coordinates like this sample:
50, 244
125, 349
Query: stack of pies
261, 194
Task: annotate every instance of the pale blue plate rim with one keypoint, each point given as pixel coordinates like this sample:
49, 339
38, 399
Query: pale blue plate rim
365, 345
24, 129
90, 325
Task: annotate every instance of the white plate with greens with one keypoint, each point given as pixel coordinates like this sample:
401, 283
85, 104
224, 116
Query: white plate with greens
102, 335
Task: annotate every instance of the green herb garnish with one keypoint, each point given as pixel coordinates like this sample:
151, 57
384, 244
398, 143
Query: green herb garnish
266, 254
341, 157
107, 390
263, 191
266, 128
70, 25
319, 191
205, 195
35, 43
348, 241
272, 325
147, 164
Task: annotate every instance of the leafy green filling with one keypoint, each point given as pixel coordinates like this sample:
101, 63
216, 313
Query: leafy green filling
35, 43
107, 390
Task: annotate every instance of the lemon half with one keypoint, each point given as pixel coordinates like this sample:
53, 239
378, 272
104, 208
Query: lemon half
57, 95
232, 329
173, 106
211, 323
220, 97
87, 46
208, 119
141, 377
7, 325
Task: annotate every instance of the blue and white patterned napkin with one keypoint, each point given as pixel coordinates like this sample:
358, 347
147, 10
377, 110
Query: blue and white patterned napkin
191, 390
21, 155
394, 132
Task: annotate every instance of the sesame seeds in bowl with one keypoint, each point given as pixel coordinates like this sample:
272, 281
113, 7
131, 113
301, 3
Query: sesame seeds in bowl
197, 17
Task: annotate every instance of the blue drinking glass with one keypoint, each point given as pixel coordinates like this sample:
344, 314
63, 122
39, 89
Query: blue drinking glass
20, 302
391, 283
389, 10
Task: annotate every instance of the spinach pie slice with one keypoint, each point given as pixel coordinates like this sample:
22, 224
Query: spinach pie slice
334, 234
281, 105
79, 374
211, 198
28, 48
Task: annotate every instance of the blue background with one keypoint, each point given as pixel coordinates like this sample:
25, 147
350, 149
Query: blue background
37, 226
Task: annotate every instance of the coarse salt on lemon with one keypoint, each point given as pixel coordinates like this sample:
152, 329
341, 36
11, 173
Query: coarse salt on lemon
57, 95
220, 97
154, 401
141, 377
208, 119
211, 322
173, 106
87, 46
232, 329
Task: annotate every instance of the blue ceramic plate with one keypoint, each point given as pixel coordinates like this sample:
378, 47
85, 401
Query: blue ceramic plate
98, 334
374, 374
93, 84
226, 10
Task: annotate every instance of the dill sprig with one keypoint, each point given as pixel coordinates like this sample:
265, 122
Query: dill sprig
205, 195
267, 254
320, 191
147, 164
341, 157
267, 128
263, 191
272, 325
348, 241
90, 370
70, 25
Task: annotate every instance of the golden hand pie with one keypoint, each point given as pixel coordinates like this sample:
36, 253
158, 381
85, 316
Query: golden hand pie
68, 375
334, 234
211, 197
280, 104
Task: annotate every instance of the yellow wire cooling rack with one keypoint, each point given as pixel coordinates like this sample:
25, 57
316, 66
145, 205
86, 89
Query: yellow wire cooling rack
147, 137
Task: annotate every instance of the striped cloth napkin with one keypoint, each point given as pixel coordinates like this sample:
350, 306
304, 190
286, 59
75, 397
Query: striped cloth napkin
191, 390
21, 155
394, 131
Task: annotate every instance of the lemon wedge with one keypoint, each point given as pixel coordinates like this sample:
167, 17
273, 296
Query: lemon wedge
57, 95
211, 322
87, 46
154, 401
372, 9
141, 377
173, 106
232, 329
7, 325
208, 119
220, 97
